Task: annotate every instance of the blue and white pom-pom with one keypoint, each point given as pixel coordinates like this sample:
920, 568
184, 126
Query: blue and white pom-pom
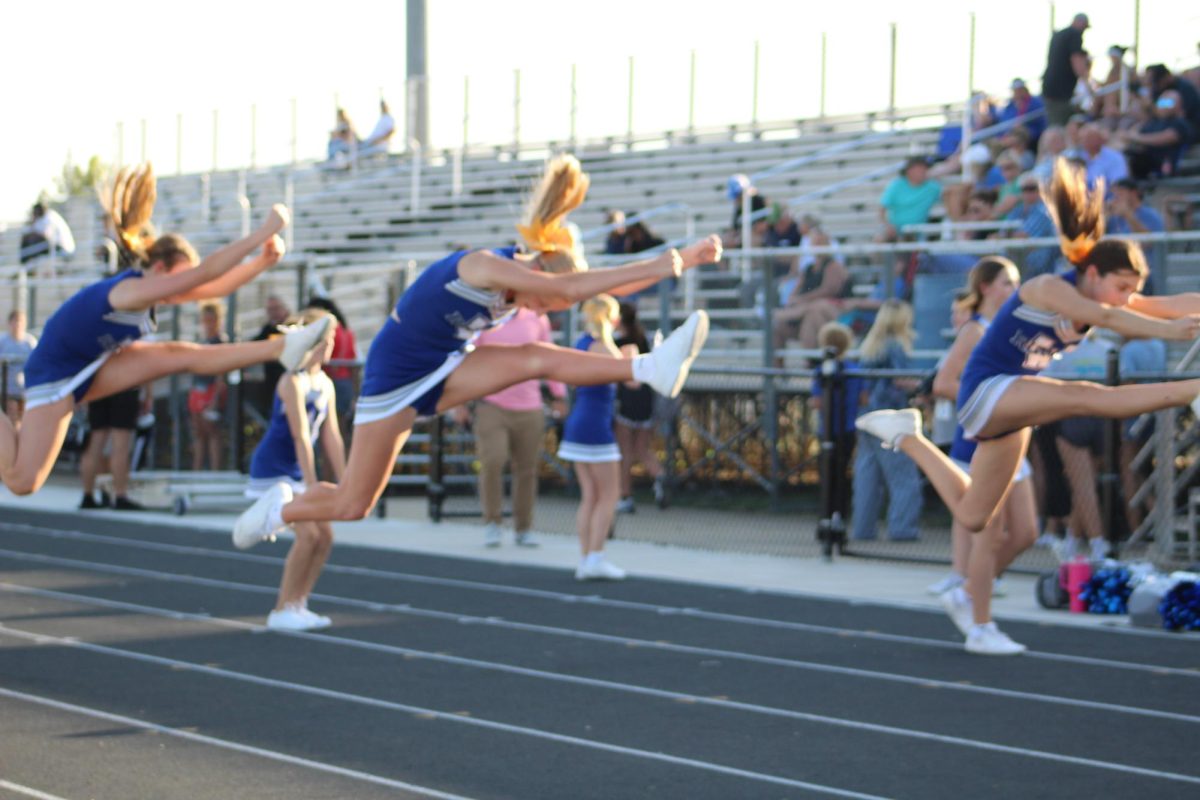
1107, 591
1180, 608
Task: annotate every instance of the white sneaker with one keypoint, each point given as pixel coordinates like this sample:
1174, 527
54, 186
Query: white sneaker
1098, 548
525, 539
491, 535
999, 588
319, 621
890, 425
600, 569
674, 358
626, 506
945, 584
1067, 548
1047, 540
291, 618
254, 523
988, 640
300, 342
958, 605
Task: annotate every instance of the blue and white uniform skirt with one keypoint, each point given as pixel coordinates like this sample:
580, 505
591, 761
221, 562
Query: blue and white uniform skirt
389, 389
257, 487
45, 382
975, 413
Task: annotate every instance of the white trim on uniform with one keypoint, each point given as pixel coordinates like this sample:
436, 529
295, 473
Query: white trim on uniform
589, 453
1023, 472
472, 294
976, 412
381, 406
257, 487
46, 393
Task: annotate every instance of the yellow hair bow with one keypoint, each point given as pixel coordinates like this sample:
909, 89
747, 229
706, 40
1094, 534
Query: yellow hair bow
547, 237
1078, 249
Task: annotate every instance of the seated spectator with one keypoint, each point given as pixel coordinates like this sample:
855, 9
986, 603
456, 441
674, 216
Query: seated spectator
1035, 221
1084, 97
614, 244
343, 140
379, 139
949, 146
1161, 80
1010, 192
46, 231
1050, 147
1074, 130
816, 300
782, 231
1110, 105
1128, 214
639, 238
1022, 103
908, 199
15, 347
1103, 162
1155, 148
810, 225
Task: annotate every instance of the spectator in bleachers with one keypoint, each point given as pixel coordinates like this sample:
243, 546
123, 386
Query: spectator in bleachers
908, 199
836, 340
1128, 214
1066, 64
1154, 149
379, 140
46, 232
15, 346
1110, 105
634, 417
1036, 223
614, 244
810, 226
949, 150
639, 238
343, 140
782, 231
1050, 146
1161, 80
206, 400
1024, 102
887, 346
733, 236
345, 348
1103, 162
816, 299
1009, 194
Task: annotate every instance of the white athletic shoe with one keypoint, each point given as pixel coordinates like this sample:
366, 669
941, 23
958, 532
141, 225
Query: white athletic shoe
988, 640
958, 605
525, 539
674, 358
319, 621
1098, 548
292, 618
491, 535
626, 506
300, 342
600, 569
890, 425
254, 523
947, 583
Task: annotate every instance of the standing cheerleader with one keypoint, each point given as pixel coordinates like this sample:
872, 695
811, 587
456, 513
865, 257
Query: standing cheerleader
303, 413
1001, 396
588, 441
424, 362
90, 349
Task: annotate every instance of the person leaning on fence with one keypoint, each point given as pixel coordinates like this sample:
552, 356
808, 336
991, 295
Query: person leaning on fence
16, 345
1001, 394
510, 428
837, 421
886, 347
423, 360
92, 347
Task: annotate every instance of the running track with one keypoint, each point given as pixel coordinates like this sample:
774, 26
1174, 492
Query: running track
133, 665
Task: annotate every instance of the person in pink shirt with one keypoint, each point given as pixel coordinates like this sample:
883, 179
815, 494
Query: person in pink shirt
509, 427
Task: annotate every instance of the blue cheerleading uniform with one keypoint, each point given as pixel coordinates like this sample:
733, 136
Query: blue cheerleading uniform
78, 338
1021, 340
425, 338
588, 431
274, 459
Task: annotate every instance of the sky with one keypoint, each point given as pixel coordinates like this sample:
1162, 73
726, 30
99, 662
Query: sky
90, 81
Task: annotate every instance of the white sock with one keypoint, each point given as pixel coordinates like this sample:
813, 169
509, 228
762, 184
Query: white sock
592, 559
643, 367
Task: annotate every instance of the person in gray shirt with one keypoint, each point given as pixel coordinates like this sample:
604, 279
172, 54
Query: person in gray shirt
15, 346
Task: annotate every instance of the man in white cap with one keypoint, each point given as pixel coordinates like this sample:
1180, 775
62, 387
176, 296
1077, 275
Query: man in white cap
1066, 63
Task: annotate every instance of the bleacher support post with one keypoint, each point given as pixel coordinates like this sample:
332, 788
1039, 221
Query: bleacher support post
831, 528
1110, 477
176, 401
770, 413
435, 490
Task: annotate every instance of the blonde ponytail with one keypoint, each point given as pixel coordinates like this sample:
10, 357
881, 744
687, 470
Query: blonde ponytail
560, 191
128, 199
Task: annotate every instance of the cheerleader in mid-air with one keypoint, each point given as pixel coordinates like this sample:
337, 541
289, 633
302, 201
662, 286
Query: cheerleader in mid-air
304, 412
89, 347
423, 362
1001, 396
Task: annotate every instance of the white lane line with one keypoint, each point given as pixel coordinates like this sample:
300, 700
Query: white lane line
211, 740
621, 641
428, 713
28, 791
628, 605
650, 692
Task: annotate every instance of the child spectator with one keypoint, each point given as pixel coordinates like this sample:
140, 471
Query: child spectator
837, 422
886, 346
206, 400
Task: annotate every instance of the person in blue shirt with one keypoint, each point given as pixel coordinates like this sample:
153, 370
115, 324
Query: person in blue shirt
1023, 102
303, 413
90, 346
424, 360
1035, 224
1001, 395
1128, 214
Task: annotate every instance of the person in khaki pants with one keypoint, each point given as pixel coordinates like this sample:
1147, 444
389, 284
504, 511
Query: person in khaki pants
509, 427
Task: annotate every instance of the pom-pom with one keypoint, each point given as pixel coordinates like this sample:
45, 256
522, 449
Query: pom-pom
1180, 607
1107, 591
